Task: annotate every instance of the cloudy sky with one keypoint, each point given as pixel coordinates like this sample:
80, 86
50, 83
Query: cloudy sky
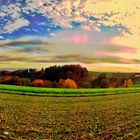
103, 35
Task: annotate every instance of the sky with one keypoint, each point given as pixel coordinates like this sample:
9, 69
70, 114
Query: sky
102, 35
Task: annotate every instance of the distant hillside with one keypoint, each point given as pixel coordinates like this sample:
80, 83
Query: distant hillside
125, 75
95, 73
10, 69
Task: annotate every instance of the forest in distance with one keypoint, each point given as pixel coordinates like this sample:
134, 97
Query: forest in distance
67, 76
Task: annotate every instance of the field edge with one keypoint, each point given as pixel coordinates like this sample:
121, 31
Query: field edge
58, 92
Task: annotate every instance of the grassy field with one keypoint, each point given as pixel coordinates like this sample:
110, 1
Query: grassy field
96, 117
64, 92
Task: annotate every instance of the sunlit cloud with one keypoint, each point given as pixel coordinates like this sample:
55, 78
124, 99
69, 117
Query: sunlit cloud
42, 50
13, 26
81, 31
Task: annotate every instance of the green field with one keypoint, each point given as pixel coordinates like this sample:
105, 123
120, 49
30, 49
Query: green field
35, 91
91, 117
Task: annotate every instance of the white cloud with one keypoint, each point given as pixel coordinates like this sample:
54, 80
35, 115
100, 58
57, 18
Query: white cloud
1, 37
2, 14
125, 13
80, 11
13, 26
13, 10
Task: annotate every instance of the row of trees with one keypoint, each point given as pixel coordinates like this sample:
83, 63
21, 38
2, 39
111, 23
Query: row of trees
15, 80
102, 81
67, 76
53, 73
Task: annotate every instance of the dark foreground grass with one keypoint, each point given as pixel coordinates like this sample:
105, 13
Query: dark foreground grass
78, 118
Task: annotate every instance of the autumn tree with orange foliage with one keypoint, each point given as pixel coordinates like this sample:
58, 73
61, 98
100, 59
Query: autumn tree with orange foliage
128, 83
68, 83
38, 83
125, 83
11, 80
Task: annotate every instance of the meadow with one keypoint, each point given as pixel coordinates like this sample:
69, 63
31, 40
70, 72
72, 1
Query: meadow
96, 117
58, 113
36, 91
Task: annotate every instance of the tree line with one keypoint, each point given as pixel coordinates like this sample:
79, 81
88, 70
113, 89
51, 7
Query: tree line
66, 76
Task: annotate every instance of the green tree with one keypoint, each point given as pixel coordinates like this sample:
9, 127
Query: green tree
104, 83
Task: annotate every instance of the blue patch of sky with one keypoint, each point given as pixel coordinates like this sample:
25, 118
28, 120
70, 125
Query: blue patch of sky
76, 24
3, 21
43, 25
93, 18
7, 2
113, 29
39, 26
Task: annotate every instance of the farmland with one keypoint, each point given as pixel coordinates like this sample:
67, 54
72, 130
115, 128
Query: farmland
91, 117
36, 91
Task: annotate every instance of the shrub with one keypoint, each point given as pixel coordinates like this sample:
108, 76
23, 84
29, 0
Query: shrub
84, 84
48, 84
38, 83
125, 83
25, 82
104, 83
128, 83
68, 83
11, 80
